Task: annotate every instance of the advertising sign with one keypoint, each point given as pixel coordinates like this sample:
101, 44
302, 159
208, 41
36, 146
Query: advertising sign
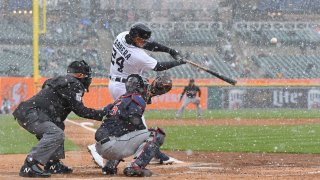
271, 97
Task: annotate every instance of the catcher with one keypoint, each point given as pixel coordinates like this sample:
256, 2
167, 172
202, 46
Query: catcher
123, 132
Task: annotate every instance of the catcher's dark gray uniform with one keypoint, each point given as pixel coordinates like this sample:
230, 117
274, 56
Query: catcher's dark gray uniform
123, 133
120, 135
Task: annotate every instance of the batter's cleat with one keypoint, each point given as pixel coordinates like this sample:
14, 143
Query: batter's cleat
95, 156
162, 159
57, 167
32, 170
109, 171
137, 171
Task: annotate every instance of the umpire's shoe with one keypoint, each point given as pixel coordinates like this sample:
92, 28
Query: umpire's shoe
32, 169
57, 167
137, 171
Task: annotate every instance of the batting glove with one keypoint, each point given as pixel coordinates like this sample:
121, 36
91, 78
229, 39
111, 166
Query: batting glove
176, 55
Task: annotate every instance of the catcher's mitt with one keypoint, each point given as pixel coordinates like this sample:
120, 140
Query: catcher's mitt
161, 85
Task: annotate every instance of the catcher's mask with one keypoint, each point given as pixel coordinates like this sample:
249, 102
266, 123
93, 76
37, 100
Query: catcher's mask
136, 84
83, 68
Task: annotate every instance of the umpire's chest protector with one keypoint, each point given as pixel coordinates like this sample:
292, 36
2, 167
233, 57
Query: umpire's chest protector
53, 99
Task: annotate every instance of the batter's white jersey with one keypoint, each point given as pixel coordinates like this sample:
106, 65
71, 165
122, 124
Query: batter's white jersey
126, 59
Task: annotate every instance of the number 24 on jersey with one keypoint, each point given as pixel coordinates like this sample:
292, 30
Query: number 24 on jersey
118, 60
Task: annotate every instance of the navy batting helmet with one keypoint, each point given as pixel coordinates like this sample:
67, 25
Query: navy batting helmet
140, 30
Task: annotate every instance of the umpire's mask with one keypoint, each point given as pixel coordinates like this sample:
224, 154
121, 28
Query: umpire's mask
83, 68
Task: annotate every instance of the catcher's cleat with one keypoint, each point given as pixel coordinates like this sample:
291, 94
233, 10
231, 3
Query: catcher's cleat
109, 171
137, 171
95, 156
162, 159
32, 170
111, 167
57, 167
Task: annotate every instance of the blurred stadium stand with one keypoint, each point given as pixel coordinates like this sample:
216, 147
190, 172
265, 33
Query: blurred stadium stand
290, 6
290, 66
287, 33
228, 36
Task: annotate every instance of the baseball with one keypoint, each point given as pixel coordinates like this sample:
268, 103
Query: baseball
274, 40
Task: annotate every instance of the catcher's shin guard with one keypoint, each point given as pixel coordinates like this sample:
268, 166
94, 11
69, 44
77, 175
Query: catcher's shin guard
145, 153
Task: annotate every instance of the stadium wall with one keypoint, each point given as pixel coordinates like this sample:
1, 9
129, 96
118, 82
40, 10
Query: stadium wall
216, 94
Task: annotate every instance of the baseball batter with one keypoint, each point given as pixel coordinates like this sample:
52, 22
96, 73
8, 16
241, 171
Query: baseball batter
191, 97
128, 57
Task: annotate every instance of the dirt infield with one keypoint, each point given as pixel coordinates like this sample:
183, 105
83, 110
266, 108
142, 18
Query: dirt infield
196, 165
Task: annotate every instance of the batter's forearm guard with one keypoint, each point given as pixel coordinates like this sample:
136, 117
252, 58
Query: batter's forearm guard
156, 47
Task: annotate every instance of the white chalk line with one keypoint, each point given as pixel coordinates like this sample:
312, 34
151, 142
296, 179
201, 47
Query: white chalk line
84, 125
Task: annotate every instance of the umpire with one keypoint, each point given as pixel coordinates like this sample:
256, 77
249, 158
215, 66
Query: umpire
43, 115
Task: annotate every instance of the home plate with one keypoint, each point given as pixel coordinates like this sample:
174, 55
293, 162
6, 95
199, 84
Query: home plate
172, 166
206, 166
175, 161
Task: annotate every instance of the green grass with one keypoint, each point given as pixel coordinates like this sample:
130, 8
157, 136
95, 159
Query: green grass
289, 139
14, 139
229, 114
233, 114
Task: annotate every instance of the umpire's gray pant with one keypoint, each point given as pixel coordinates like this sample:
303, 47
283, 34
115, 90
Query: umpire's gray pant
121, 147
51, 137
187, 100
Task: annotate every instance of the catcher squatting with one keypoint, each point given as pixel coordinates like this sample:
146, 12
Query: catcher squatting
123, 133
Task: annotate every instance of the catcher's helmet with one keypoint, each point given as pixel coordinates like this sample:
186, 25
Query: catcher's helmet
140, 30
83, 68
135, 84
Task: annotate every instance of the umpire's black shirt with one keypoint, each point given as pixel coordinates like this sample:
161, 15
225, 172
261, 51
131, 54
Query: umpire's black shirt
58, 97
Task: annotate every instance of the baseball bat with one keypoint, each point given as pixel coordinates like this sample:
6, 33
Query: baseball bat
222, 77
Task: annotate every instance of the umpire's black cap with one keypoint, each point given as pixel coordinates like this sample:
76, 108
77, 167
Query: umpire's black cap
140, 30
79, 67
